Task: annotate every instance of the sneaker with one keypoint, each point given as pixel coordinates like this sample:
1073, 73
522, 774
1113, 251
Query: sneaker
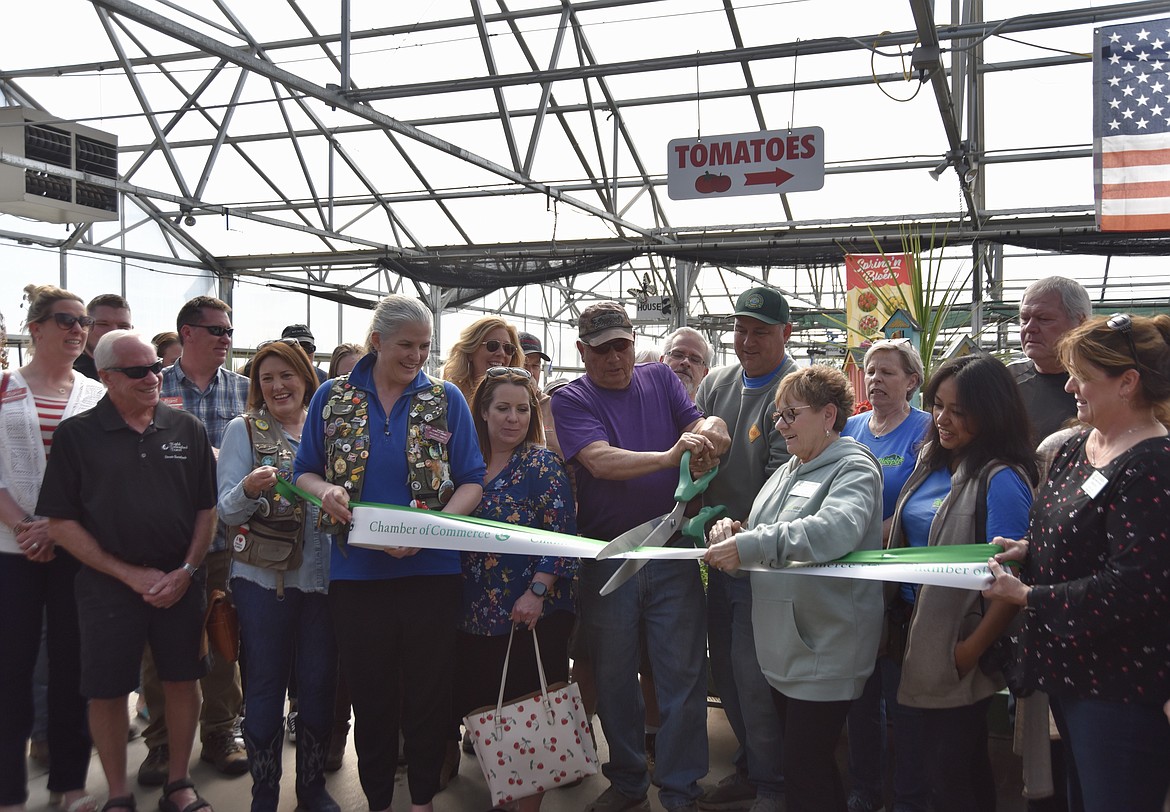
155, 769
768, 803
292, 727
226, 752
613, 800
860, 802
732, 793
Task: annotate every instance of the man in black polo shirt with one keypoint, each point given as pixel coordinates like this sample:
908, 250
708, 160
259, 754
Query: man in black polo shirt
130, 492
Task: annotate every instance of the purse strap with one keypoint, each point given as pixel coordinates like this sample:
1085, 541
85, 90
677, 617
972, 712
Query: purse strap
539, 670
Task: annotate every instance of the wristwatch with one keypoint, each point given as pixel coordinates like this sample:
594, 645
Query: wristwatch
538, 588
189, 568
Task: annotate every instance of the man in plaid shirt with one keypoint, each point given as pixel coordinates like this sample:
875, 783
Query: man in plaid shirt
200, 384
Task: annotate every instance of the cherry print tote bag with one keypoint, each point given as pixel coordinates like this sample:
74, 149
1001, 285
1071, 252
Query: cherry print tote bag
535, 743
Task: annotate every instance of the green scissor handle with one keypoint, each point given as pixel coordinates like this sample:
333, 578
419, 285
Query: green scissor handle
689, 488
693, 528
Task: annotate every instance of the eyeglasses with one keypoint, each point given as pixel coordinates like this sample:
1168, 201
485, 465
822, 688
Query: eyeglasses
678, 355
66, 321
617, 345
138, 372
216, 330
787, 415
503, 372
1122, 323
494, 346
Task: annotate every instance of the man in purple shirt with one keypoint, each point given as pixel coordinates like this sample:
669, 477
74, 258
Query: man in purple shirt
624, 428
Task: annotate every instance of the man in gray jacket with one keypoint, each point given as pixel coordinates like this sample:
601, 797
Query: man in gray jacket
742, 395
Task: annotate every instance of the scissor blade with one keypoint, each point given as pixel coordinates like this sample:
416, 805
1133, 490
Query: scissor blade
631, 538
624, 573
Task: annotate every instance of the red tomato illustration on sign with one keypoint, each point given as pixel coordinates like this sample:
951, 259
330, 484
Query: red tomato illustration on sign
707, 183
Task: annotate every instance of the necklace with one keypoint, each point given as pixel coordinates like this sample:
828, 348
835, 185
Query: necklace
887, 425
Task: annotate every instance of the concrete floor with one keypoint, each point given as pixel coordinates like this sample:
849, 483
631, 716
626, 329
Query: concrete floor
467, 793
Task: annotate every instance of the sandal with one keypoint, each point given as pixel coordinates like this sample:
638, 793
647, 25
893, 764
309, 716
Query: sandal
165, 804
121, 802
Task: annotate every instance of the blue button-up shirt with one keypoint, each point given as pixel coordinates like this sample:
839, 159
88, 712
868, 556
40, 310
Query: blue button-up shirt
225, 398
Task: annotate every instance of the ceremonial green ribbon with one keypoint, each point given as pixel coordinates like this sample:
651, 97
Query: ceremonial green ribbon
289, 490
954, 554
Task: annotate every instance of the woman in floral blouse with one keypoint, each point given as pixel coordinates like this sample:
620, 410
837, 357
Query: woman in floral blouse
1096, 572
526, 484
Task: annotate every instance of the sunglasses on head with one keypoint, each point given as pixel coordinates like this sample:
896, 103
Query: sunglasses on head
503, 372
494, 346
617, 345
138, 372
1122, 323
66, 321
216, 330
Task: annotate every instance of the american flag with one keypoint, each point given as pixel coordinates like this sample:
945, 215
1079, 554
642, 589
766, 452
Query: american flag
1131, 126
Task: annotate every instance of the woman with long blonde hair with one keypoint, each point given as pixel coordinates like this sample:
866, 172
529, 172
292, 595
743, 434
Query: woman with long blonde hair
485, 343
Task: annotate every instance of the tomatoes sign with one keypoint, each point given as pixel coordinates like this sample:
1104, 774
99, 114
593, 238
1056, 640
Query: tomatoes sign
758, 163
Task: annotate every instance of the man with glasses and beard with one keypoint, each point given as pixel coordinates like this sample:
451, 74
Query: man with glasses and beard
688, 355
130, 492
200, 384
624, 429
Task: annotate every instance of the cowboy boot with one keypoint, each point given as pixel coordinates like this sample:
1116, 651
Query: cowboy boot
264, 762
312, 747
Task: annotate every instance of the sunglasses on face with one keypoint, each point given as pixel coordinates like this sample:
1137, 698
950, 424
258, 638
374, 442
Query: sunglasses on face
494, 346
216, 330
787, 415
138, 372
617, 345
66, 321
503, 372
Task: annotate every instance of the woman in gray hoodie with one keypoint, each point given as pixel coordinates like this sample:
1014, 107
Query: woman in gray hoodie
816, 638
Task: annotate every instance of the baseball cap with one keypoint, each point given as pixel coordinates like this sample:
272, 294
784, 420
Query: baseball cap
604, 322
765, 304
531, 344
300, 332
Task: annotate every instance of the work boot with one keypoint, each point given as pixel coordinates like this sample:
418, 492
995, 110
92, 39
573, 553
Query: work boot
265, 765
225, 751
156, 767
312, 748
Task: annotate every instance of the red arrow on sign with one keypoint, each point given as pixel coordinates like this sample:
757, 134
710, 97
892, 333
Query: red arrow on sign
776, 176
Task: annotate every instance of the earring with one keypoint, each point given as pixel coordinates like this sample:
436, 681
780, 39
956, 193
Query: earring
826, 432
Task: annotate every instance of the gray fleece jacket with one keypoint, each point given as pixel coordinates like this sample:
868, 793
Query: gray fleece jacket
816, 637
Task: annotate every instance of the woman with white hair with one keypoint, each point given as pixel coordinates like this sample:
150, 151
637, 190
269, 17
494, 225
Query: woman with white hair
389, 433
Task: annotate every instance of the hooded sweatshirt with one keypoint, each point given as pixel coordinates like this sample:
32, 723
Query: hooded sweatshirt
816, 638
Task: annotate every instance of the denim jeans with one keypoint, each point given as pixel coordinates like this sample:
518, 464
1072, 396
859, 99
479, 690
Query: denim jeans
279, 636
32, 594
1117, 754
867, 742
744, 693
666, 599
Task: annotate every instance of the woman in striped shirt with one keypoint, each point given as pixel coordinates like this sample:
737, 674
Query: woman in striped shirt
36, 579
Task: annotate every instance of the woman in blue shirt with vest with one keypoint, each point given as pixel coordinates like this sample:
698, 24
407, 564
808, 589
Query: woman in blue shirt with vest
973, 482
390, 434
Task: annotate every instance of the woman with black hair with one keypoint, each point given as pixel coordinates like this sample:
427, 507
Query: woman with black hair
973, 482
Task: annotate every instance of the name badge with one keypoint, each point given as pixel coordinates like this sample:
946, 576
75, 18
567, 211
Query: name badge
1094, 484
174, 401
805, 488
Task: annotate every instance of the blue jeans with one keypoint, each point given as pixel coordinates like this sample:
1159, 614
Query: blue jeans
744, 693
666, 599
1116, 754
867, 742
279, 635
